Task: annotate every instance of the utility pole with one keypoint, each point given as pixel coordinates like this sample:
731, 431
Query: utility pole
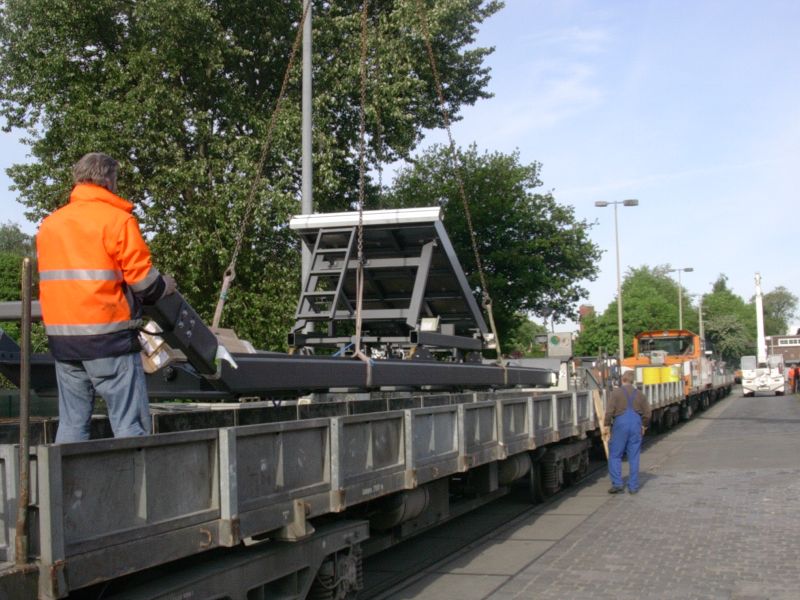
307, 197
700, 322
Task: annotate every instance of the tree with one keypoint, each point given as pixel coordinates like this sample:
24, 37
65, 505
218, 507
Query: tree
598, 334
649, 302
182, 91
533, 250
729, 322
15, 241
521, 341
780, 307
14, 245
729, 337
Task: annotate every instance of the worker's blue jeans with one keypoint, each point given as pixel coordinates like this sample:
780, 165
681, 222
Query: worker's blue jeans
118, 379
626, 437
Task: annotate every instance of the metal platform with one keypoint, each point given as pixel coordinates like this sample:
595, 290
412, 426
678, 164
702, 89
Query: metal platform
242, 481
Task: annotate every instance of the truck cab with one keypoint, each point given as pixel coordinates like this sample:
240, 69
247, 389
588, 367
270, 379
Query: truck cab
766, 377
670, 355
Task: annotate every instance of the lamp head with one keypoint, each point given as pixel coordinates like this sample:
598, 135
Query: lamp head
601, 203
631, 202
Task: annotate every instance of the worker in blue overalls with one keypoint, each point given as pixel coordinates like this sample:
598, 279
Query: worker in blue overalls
628, 414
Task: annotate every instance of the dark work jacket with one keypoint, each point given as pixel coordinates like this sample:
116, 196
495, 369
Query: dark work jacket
618, 404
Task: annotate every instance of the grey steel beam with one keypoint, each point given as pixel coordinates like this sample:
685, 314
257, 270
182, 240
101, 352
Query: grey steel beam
12, 311
450, 252
440, 340
420, 283
274, 373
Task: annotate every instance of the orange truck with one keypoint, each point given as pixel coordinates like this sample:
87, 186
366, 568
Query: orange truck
670, 357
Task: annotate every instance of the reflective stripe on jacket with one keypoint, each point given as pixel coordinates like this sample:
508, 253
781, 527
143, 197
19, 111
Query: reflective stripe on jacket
94, 271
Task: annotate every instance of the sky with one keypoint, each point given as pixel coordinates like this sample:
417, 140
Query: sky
691, 107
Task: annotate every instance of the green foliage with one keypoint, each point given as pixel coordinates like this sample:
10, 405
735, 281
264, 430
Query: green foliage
533, 250
11, 290
15, 241
181, 93
729, 337
780, 307
14, 244
729, 322
521, 340
598, 334
649, 302
10, 270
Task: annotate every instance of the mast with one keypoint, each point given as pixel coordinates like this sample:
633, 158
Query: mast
306, 203
761, 342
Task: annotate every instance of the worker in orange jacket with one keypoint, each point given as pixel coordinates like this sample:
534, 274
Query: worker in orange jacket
95, 273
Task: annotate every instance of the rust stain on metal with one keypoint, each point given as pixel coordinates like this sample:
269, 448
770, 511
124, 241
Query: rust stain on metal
339, 500
206, 543
55, 571
236, 531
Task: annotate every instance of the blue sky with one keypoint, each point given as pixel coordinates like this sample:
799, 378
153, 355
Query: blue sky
692, 107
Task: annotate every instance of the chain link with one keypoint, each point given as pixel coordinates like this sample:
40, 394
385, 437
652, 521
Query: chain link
485, 297
361, 176
230, 272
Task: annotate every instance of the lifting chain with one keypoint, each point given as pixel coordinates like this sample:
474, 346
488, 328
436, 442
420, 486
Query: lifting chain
486, 298
378, 138
230, 272
361, 192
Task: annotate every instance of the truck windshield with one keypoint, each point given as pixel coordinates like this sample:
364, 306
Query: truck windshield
775, 361
670, 345
748, 363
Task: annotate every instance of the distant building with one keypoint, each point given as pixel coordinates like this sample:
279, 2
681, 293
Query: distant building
584, 310
787, 345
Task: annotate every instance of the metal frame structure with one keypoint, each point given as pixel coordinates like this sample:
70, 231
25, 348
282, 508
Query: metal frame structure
411, 272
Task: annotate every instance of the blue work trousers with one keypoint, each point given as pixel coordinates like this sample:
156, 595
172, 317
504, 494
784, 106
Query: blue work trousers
626, 437
118, 379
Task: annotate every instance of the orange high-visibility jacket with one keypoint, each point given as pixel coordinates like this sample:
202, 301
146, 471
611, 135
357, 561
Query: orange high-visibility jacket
94, 271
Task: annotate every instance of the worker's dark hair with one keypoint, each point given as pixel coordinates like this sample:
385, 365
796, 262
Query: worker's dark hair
628, 377
97, 168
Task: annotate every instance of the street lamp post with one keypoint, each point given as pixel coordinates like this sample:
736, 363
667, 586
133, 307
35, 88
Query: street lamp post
680, 292
603, 204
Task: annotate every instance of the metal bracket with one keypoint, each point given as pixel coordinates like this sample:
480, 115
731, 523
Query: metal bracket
300, 528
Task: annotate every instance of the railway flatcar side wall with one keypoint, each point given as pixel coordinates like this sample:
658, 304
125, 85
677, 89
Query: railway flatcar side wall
111, 507
9, 476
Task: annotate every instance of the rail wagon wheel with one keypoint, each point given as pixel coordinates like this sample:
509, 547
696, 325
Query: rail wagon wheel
579, 473
535, 487
666, 421
340, 577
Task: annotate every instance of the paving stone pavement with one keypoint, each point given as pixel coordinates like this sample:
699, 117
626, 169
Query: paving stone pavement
717, 516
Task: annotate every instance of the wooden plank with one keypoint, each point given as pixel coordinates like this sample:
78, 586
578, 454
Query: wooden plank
600, 411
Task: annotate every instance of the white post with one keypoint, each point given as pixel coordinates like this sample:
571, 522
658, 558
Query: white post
761, 348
